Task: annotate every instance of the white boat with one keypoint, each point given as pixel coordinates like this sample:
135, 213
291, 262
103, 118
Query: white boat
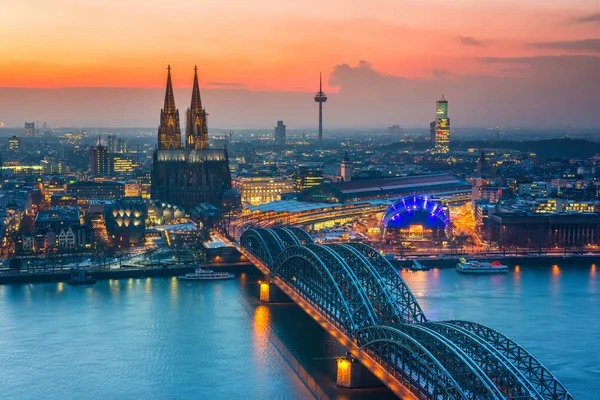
480, 267
205, 275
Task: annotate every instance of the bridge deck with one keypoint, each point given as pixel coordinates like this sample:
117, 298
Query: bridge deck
368, 362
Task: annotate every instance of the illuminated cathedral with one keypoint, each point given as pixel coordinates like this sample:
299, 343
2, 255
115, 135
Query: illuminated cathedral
187, 174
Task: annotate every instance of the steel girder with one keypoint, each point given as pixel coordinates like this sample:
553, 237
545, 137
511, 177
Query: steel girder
355, 287
273, 240
409, 362
386, 308
507, 379
470, 377
322, 279
253, 241
288, 237
410, 309
302, 235
536, 373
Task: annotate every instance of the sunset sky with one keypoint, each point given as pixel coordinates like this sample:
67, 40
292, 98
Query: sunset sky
280, 46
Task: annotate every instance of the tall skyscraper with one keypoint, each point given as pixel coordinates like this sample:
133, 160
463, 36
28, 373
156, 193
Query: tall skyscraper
320, 98
196, 127
14, 143
99, 164
121, 146
112, 144
432, 133
29, 129
194, 174
442, 127
395, 130
279, 133
169, 132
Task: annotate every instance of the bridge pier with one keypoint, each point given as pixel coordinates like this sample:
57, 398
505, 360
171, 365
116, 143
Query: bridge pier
270, 293
352, 375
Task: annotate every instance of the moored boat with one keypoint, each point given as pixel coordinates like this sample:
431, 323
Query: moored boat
480, 267
205, 275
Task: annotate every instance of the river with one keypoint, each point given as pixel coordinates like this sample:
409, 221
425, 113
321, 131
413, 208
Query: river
165, 339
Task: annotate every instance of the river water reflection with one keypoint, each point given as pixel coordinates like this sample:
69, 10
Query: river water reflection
165, 339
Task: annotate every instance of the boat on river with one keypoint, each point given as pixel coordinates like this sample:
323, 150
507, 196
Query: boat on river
205, 275
480, 267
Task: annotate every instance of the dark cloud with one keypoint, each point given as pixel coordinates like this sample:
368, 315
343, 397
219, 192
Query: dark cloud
589, 45
440, 73
470, 41
227, 84
363, 70
533, 91
587, 18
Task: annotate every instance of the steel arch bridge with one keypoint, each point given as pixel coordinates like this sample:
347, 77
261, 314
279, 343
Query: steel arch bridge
357, 291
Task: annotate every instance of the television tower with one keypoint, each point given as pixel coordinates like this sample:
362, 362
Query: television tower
320, 98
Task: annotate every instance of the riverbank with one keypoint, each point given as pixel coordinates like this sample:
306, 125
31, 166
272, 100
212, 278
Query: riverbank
511, 261
126, 272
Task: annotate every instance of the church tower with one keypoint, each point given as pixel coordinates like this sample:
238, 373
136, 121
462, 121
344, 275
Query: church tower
346, 170
169, 132
196, 128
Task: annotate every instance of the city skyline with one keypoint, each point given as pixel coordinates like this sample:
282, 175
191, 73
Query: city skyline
538, 71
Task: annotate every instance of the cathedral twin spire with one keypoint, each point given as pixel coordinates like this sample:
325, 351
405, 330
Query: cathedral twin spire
196, 130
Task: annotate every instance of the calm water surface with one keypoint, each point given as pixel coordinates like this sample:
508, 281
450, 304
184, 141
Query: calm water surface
164, 339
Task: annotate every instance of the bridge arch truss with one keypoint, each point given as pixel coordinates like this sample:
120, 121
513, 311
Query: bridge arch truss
357, 290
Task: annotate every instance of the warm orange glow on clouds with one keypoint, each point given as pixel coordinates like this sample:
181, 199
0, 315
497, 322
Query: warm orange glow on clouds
273, 44
535, 62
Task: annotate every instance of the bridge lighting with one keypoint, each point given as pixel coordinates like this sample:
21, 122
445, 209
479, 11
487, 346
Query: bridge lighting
364, 332
343, 364
264, 291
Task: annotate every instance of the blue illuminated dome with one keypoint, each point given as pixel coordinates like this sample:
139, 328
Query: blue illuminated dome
415, 210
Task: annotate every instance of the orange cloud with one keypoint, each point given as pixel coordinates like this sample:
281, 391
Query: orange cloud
269, 44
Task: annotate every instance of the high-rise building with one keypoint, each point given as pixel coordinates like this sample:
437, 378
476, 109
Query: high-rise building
122, 164
112, 143
280, 133
194, 174
432, 133
308, 177
395, 130
320, 98
346, 169
144, 179
14, 143
121, 146
442, 127
29, 129
99, 164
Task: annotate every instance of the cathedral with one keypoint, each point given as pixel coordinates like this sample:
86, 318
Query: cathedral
190, 174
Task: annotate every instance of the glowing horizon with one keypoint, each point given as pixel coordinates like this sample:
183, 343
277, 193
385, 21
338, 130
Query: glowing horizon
272, 46
535, 63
